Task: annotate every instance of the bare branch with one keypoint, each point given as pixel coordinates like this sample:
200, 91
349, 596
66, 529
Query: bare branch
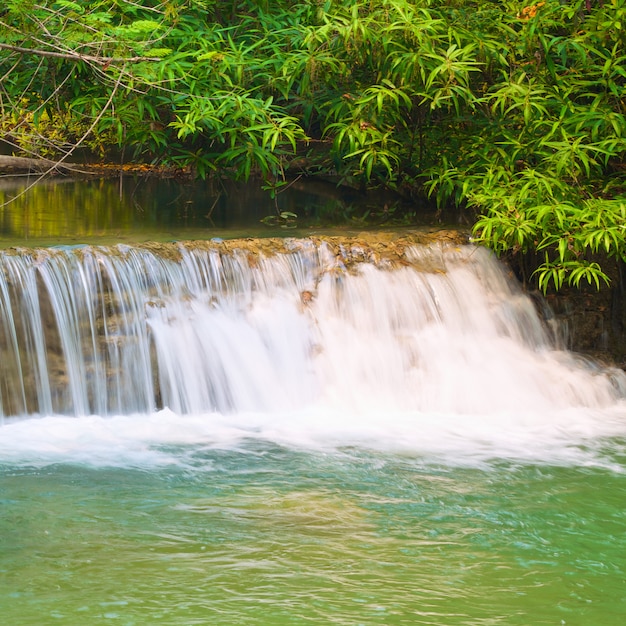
55, 165
76, 56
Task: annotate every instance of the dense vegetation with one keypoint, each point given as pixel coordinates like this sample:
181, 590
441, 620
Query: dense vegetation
513, 111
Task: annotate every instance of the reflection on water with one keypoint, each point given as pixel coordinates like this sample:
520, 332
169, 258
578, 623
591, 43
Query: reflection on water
138, 209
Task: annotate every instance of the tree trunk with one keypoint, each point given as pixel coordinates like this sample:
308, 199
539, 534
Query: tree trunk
39, 166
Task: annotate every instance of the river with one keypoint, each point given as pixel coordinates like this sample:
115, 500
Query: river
366, 429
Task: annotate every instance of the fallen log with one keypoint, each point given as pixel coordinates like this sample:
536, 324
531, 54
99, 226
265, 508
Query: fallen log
15, 164
22, 165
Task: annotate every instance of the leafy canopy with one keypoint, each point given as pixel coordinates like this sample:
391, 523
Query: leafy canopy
512, 111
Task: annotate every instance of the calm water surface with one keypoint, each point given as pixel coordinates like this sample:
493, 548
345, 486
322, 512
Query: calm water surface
65, 211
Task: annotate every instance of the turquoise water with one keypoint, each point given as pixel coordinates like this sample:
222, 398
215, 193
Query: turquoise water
270, 535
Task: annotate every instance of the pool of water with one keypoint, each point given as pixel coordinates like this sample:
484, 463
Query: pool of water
130, 210
258, 533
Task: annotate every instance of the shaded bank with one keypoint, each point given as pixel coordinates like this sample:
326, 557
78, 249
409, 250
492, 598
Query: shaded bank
589, 320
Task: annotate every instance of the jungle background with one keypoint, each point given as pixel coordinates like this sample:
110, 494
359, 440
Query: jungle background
513, 113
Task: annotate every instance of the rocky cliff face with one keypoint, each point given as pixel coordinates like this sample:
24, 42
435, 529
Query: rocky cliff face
587, 320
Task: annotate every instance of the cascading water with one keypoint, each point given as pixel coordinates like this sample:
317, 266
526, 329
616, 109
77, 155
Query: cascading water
314, 341
285, 432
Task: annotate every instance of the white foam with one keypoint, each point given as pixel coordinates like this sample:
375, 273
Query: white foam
451, 365
571, 437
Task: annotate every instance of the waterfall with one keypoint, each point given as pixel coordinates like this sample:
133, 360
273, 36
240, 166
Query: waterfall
217, 328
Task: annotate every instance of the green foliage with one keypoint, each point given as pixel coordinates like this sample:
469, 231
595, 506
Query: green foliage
544, 158
514, 111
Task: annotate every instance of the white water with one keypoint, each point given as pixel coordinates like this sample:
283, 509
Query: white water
146, 353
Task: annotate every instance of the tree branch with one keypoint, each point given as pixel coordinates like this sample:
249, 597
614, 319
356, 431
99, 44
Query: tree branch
76, 56
59, 163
